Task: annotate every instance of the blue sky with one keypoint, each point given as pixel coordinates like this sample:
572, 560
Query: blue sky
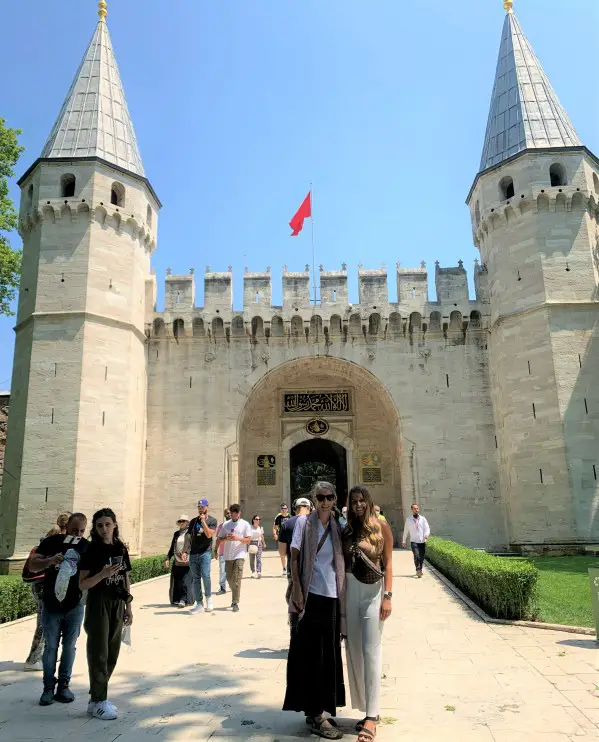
238, 105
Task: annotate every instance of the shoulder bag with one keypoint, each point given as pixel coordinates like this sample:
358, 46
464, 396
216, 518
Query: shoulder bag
362, 568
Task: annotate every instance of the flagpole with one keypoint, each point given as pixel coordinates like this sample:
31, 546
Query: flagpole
313, 252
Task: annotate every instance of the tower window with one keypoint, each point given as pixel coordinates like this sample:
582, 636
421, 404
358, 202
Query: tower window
506, 188
557, 174
30, 196
596, 182
477, 213
149, 216
117, 194
67, 185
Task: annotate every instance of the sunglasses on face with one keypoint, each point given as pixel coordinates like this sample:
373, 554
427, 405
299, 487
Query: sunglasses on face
322, 498
257, 518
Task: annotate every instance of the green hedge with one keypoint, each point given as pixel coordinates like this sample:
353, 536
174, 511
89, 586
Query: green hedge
15, 595
502, 587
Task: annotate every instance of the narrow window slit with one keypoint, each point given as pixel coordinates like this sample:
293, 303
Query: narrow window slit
47, 492
541, 474
586, 407
534, 410
447, 380
529, 368
52, 419
594, 472
103, 418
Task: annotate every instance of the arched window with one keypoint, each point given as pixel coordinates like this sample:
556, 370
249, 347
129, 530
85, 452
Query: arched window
557, 174
506, 188
30, 196
374, 324
67, 185
218, 328
475, 322
435, 322
596, 182
477, 213
335, 324
297, 326
198, 327
395, 324
276, 327
257, 327
117, 194
149, 216
158, 328
178, 328
355, 326
316, 326
455, 321
237, 329
415, 322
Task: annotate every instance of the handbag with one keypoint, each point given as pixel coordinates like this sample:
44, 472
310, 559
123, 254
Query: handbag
363, 569
31, 577
253, 549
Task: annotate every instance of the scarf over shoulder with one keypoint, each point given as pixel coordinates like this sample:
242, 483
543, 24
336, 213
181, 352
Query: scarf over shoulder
307, 558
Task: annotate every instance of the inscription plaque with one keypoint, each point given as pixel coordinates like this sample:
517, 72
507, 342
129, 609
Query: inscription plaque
329, 402
266, 472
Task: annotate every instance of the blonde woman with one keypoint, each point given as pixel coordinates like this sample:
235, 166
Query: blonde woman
368, 551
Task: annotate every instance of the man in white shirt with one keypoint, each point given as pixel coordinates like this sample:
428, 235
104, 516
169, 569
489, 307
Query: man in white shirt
418, 529
236, 535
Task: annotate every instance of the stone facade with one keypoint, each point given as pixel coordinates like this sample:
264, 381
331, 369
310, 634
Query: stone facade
4, 402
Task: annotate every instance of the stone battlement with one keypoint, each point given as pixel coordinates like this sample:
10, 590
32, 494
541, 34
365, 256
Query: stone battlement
332, 313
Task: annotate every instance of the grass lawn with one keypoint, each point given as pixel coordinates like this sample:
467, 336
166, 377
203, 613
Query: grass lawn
564, 589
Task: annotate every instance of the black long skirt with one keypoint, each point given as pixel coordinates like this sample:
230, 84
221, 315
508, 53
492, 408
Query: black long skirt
180, 587
314, 665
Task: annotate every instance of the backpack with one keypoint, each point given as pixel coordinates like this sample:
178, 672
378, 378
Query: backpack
30, 577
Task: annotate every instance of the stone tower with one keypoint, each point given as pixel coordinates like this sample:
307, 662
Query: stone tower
535, 221
88, 219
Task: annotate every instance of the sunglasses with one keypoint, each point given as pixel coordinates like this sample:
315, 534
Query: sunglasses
181, 521
322, 498
257, 518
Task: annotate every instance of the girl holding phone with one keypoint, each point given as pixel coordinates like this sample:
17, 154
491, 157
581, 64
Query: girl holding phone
105, 568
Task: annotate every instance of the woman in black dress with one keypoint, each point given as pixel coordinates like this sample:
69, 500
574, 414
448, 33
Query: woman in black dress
180, 593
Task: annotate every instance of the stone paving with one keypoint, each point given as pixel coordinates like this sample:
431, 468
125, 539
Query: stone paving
221, 676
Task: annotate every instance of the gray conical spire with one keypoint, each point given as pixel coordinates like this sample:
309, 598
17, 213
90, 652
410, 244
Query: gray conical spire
94, 120
525, 111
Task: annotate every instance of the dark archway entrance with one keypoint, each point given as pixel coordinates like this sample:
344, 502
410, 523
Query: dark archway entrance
315, 460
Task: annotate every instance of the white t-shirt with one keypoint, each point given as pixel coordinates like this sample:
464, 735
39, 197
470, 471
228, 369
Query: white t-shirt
324, 580
235, 549
257, 533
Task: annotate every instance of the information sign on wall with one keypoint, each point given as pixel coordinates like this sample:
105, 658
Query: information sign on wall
266, 471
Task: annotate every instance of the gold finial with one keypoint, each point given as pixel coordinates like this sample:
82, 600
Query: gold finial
509, 6
102, 10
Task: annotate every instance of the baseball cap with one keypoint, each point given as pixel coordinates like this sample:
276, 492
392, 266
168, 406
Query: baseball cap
203, 503
302, 501
283, 505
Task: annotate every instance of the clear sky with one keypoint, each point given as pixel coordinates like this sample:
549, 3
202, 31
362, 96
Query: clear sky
238, 105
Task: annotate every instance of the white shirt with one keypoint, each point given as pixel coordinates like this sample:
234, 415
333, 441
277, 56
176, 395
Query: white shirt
324, 579
235, 549
418, 529
257, 533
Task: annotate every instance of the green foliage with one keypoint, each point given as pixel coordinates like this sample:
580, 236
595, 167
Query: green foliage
10, 260
15, 595
502, 587
305, 476
565, 589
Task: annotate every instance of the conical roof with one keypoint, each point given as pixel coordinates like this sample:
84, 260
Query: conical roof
525, 111
94, 120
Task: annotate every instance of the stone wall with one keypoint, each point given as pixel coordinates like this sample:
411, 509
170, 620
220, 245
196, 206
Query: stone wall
4, 402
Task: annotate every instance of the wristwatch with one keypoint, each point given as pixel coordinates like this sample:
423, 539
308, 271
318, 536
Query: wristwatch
388, 595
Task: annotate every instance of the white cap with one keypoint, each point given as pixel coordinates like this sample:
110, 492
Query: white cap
183, 517
302, 501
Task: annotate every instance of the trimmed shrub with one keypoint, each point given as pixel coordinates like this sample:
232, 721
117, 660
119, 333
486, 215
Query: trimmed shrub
15, 595
503, 587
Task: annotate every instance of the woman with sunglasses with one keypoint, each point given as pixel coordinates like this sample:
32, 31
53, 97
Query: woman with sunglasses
314, 666
255, 548
180, 592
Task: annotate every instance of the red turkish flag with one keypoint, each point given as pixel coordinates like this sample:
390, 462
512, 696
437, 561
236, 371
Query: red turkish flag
304, 211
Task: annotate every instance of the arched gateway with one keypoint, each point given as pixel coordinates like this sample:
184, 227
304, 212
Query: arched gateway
318, 418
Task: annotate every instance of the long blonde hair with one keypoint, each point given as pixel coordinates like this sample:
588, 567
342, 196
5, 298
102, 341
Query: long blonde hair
370, 527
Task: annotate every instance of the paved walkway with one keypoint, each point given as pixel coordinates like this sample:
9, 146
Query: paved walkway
447, 675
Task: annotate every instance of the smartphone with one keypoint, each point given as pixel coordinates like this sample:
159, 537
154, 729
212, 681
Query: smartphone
116, 560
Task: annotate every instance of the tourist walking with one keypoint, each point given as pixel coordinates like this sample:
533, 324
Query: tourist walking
368, 552
314, 665
105, 568
419, 530
236, 535
198, 550
36, 582
257, 544
219, 553
302, 506
180, 591
58, 558
379, 513
282, 516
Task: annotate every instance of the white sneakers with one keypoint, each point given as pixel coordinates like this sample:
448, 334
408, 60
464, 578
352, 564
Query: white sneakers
33, 666
198, 608
209, 605
103, 710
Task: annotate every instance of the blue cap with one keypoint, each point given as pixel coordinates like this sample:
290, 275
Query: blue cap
203, 503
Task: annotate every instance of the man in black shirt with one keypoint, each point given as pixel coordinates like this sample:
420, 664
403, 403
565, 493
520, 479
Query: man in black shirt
62, 611
302, 506
198, 545
279, 520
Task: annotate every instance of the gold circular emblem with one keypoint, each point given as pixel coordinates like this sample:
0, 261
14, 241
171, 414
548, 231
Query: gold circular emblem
317, 426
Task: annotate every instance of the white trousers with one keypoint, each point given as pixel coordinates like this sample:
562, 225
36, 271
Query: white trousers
364, 648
